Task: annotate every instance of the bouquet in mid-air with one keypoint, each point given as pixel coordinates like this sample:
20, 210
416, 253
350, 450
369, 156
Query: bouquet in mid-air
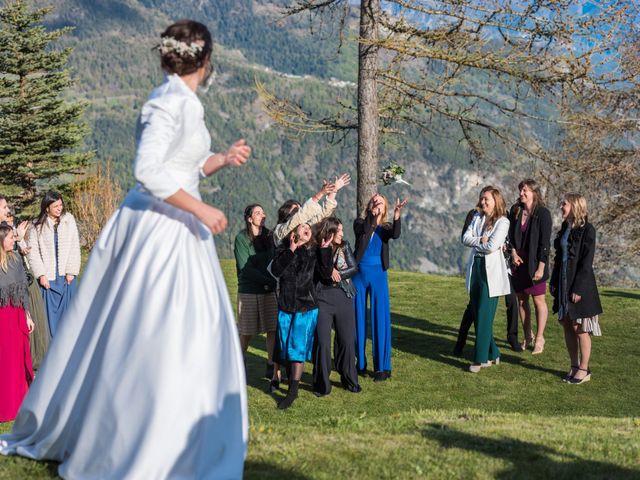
393, 174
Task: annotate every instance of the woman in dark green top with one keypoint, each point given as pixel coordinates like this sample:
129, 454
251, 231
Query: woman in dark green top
257, 304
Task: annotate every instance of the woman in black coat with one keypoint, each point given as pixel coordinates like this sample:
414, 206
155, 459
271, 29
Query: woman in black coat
530, 238
573, 285
296, 266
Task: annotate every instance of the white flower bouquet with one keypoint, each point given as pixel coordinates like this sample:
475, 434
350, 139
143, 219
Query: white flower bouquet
393, 174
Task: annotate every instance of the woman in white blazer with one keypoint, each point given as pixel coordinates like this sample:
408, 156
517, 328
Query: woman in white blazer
55, 256
487, 277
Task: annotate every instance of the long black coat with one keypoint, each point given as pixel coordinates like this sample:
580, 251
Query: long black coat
536, 240
297, 273
364, 228
580, 276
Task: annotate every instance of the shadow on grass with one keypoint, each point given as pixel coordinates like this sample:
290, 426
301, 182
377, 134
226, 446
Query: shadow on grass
263, 470
528, 460
255, 369
633, 296
428, 344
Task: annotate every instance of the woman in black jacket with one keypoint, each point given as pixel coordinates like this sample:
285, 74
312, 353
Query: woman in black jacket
372, 255
295, 266
573, 285
530, 238
335, 307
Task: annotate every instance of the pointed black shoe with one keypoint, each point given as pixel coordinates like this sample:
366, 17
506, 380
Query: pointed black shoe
350, 387
515, 345
381, 376
362, 372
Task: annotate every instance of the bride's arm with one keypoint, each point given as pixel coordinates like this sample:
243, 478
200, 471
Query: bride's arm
213, 218
236, 155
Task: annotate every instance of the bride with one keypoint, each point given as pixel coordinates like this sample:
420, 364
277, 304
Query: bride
145, 377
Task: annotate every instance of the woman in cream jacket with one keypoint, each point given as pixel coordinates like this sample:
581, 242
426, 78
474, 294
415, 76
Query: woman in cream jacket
487, 277
55, 256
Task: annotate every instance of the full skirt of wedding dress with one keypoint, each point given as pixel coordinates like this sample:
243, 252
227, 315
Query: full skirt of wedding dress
144, 378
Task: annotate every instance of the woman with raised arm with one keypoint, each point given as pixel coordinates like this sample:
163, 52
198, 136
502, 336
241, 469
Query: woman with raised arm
530, 238
487, 277
573, 285
335, 309
295, 265
145, 378
373, 233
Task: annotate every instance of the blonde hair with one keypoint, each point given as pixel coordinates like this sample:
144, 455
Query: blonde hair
579, 209
499, 210
4, 256
385, 209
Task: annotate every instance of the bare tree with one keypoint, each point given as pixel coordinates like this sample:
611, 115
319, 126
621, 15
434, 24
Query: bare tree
549, 83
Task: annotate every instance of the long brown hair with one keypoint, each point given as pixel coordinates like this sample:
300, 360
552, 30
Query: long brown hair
538, 199
4, 256
327, 227
499, 210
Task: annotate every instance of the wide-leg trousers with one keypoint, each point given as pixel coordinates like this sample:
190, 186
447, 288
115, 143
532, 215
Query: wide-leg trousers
334, 309
511, 304
372, 281
484, 308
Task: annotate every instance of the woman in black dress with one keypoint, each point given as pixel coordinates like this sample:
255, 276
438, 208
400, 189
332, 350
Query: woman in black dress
530, 238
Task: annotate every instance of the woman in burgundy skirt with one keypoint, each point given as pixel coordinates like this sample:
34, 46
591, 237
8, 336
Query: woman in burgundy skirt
530, 238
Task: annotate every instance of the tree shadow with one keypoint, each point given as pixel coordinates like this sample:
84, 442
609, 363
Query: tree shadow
526, 459
267, 471
610, 293
427, 344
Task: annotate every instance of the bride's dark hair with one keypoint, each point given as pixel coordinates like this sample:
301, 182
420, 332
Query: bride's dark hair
188, 32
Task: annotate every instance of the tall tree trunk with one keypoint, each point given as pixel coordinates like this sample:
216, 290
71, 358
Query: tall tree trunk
367, 103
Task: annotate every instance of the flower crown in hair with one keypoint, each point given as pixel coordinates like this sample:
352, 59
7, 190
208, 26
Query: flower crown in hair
170, 44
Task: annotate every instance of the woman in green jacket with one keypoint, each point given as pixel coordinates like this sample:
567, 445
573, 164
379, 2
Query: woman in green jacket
257, 304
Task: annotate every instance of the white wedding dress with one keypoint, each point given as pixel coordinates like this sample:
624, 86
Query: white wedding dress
144, 378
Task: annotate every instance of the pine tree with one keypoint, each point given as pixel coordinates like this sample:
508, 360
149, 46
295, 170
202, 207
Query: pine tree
40, 129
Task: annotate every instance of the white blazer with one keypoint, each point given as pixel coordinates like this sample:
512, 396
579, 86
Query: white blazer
496, 267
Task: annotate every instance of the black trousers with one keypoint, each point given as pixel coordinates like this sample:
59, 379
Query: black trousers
334, 309
511, 303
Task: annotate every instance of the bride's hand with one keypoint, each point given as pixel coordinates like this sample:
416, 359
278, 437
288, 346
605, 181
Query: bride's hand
238, 154
213, 218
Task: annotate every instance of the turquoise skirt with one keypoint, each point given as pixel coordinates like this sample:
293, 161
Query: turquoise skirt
295, 334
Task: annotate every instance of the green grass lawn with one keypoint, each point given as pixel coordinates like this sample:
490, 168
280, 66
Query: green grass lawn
434, 419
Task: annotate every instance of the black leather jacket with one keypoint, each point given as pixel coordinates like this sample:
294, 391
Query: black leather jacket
297, 273
346, 272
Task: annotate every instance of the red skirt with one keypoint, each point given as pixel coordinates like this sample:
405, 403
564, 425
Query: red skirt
16, 372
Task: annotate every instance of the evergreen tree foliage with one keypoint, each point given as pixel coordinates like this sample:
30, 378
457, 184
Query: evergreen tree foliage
40, 129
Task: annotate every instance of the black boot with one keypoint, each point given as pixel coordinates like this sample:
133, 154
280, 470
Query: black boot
292, 394
515, 344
